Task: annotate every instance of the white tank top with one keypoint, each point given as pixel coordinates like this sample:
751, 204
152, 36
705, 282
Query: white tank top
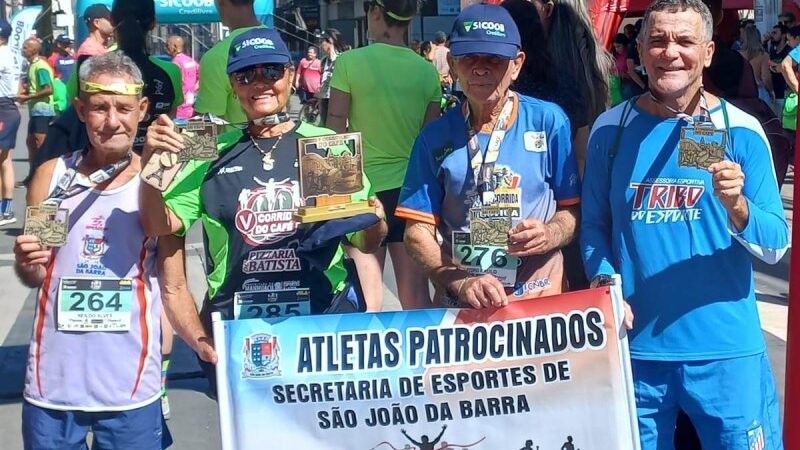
98, 370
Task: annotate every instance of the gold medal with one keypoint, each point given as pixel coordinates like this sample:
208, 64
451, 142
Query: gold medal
48, 223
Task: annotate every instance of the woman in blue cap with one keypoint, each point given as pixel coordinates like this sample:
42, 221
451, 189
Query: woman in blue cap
246, 200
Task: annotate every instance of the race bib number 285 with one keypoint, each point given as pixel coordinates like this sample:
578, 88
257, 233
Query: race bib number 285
271, 304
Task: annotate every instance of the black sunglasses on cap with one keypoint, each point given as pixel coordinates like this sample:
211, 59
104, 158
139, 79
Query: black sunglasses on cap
270, 72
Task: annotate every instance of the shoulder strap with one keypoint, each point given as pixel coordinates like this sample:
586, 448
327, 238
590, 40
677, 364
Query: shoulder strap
612, 152
727, 122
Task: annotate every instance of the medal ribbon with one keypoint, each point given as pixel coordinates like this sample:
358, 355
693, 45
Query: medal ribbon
705, 113
274, 119
482, 163
69, 185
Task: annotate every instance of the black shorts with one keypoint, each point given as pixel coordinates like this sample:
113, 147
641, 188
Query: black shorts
9, 124
397, 226
39, 124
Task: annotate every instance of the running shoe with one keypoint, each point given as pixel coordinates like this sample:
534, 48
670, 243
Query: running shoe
8, 219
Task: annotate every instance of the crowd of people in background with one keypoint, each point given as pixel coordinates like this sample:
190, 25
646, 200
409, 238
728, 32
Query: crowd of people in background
547, 124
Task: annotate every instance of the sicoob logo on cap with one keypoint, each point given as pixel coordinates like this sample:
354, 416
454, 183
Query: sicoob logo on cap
257, 43
491, 28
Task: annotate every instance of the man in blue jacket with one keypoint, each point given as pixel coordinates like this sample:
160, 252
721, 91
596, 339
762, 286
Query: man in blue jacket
679, 194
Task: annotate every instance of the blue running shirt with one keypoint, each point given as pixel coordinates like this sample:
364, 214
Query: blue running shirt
536, 156
685, 271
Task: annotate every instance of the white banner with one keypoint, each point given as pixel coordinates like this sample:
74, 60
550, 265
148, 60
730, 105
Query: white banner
22, 28
551, 373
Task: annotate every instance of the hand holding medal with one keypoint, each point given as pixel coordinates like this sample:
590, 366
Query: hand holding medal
48, 224
728, 182
163, 146
30, 253
531, 237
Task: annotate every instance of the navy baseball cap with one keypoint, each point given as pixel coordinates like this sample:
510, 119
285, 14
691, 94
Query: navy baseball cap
5, 29
257, 46
96, 11
63, 39
484, 29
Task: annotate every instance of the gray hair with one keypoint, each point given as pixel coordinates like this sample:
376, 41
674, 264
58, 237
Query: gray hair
674, 6
111, 63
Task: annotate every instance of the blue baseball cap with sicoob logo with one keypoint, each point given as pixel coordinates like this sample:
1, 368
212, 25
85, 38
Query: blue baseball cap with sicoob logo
484, 29
255, 47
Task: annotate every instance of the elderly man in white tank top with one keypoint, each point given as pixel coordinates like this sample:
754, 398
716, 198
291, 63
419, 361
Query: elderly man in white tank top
95, 359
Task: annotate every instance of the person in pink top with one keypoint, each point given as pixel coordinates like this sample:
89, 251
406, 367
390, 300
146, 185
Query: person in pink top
98, 21
308, 77
190, 75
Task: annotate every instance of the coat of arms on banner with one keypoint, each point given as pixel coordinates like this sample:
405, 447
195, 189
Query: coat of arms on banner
261, 357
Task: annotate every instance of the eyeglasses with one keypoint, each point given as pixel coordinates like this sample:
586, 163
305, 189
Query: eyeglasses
270, 73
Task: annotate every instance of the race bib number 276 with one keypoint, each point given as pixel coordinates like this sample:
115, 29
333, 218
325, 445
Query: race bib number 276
483, 259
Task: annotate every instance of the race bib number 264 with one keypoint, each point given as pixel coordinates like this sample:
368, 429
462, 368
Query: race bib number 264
103, 304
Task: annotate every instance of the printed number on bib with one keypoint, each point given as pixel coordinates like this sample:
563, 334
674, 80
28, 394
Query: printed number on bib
95, 304
271, 304
483, 259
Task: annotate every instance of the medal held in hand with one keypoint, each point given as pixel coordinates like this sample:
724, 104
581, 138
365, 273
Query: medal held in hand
199, 140
701, 146
331, 170
48, 223
490, 225
200, 144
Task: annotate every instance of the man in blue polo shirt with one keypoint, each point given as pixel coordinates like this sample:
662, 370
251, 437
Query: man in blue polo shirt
680, 196
497, 178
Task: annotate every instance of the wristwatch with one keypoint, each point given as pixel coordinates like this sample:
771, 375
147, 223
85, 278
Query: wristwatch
601, 280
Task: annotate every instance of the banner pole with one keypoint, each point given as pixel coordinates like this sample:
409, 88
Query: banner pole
223, 396
791, 402
619, 321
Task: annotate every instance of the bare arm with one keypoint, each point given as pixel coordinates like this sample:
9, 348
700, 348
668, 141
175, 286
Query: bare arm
46, 91
178, 302
766, 76
433, 112
474, 291
369, 240
157, 219
787, 68
634, 75
338, 110
297, 75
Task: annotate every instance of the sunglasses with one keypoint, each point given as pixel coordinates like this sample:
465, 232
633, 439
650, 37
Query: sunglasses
270, 73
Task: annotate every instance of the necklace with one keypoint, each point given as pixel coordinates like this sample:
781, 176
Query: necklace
266, 156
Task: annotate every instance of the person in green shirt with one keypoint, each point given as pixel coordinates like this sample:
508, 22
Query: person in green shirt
262, 262
215, 95
39, 96
388, 93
